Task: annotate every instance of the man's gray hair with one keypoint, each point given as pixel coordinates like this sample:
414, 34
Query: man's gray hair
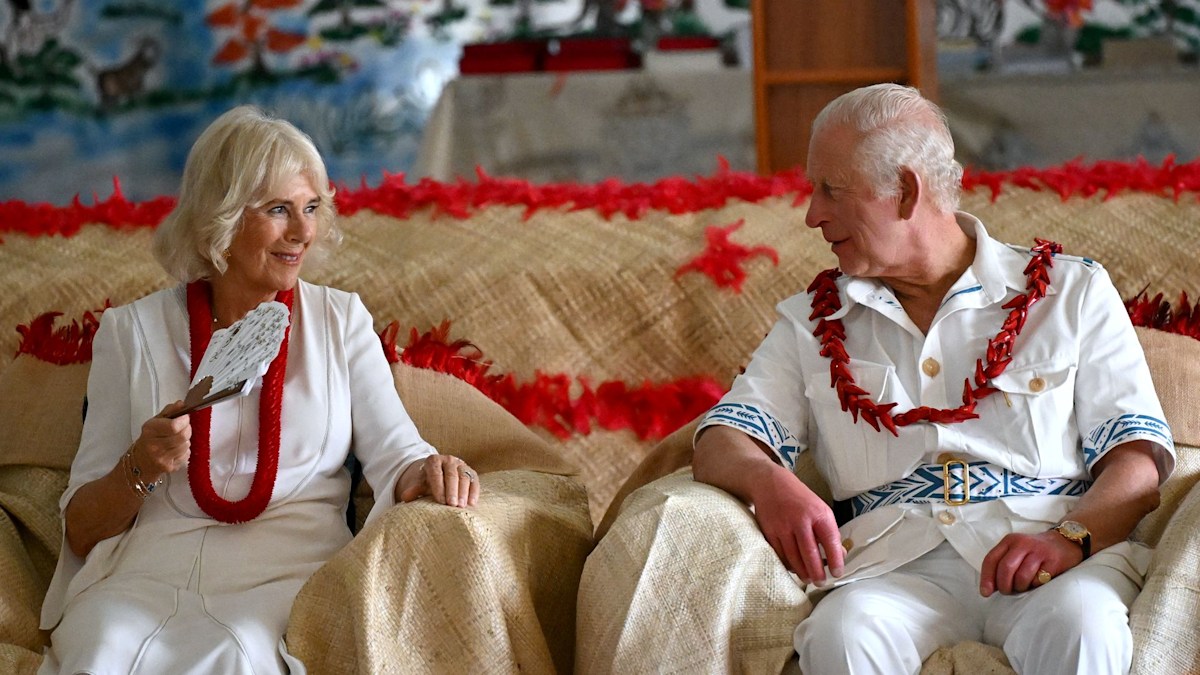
899, 128
239, 161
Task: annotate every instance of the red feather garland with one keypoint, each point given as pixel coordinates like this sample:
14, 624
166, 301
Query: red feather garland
564, 405
557, 402
1183, 319
722, 259
461, 199
64, 345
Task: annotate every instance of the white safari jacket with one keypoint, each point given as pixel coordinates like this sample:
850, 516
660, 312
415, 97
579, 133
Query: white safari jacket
1077, 386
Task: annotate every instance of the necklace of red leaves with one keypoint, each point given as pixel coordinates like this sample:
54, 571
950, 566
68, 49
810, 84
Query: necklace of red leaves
858, 402
270, 408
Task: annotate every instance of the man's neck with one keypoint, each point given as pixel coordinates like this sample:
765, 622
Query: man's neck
946, 252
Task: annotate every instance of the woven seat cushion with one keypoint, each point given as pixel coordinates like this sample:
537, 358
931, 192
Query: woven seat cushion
458, 419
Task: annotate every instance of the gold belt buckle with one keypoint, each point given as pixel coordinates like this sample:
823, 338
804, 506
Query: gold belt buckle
966, 469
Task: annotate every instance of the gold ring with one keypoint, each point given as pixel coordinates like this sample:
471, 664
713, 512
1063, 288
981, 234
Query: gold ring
1043, 577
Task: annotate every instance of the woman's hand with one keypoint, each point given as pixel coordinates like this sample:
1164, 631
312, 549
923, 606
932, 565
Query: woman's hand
107, 506
446, 478
164, 445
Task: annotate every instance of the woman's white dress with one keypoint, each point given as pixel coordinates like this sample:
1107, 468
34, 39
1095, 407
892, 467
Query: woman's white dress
180, 592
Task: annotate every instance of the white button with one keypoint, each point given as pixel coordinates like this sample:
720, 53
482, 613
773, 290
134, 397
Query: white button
931, 367
946, 517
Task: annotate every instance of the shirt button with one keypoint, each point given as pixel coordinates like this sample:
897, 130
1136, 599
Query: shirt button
1037, 384
847, 543
931, 367
946, 517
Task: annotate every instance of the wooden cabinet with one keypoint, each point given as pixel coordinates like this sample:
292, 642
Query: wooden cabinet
809, 52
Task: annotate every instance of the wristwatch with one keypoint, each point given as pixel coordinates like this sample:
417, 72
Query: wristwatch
1078, 533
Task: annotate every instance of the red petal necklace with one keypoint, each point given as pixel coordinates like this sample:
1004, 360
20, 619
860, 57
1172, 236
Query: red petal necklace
858, 402
270, 407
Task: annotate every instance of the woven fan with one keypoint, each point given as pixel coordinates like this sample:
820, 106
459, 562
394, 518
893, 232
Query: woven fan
236, 357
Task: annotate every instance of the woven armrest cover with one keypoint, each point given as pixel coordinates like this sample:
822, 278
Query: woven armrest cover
685, 582
1166, 613
30, 536
431, 588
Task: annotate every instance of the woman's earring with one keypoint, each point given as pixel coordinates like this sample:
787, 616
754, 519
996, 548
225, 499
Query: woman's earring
225, 254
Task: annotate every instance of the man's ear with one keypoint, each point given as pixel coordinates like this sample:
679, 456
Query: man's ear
910, 192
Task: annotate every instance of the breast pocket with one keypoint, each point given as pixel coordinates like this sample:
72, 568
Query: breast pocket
1037, 400
854, 457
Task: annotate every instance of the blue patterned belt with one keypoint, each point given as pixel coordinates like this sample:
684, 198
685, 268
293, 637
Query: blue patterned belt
956, 482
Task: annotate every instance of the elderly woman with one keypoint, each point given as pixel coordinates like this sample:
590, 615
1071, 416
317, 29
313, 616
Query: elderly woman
176, 571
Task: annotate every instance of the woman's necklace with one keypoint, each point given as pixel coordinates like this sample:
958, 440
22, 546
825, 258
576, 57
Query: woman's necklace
858, 402
270, 409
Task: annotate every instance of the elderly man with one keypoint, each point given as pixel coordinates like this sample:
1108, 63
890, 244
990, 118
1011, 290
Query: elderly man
984, 412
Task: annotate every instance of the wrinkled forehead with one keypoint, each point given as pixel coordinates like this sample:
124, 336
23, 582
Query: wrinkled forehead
281, 184
832, 153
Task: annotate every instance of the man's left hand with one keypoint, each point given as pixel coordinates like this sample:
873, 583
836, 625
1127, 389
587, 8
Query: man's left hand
1014, 564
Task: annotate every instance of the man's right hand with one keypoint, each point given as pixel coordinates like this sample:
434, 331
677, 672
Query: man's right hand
799, 525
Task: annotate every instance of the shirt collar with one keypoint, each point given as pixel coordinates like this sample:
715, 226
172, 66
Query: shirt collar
995, 270
996, 267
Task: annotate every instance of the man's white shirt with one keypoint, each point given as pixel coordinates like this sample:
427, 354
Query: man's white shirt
1078, 386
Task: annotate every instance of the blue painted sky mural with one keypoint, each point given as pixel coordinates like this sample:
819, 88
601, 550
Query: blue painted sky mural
93, 90
96, 89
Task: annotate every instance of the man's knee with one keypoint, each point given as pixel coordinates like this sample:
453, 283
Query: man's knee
848, 632
1077, 624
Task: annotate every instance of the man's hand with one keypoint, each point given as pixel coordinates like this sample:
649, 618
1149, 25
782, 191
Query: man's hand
1124, 490
1013, 565
796, 522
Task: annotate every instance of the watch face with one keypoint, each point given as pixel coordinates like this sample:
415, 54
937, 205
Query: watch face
1072, 530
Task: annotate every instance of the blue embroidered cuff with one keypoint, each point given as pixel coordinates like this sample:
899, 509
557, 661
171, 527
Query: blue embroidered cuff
1123, 429
757, 423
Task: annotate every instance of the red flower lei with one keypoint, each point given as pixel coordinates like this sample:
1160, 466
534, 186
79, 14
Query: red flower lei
857, 401
270, 409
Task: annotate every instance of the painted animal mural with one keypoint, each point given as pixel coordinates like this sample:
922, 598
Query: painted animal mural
126, 81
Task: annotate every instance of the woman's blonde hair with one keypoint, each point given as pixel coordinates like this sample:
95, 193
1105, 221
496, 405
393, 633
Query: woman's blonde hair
238, 162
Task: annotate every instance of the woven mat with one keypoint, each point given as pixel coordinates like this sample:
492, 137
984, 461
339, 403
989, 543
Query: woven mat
1165, 614
731, 608
574, 293
485, 590
16, 660
30, 536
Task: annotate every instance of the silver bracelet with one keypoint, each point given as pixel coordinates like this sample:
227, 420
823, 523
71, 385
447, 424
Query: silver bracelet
133, 477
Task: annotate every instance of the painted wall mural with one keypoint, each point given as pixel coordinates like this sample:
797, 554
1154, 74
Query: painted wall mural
92, 89
96, 89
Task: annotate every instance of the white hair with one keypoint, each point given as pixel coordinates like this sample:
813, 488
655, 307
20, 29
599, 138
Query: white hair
898, 129
239, 161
